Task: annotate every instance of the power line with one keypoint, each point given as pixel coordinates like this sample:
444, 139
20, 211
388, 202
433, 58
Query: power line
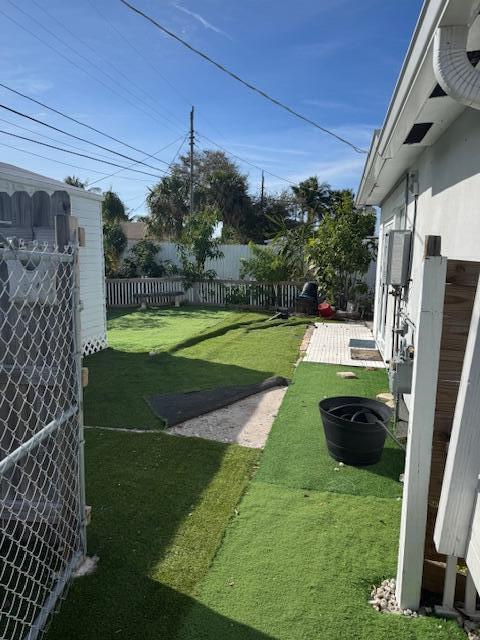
148, 61
139, 52
178, 151
109, 63
72, 62
239, 79
144, 201
67, 164
76, 153
115, 173
72, 135
79, 122
252, 164
42, 135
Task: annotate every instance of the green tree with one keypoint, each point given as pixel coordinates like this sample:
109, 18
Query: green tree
197, 245
218, 183
267, 215
168, 206
114, 239
291, 244
113, 208
74, 181
142, 260
340, 250
313, 199
114, 243
266, 264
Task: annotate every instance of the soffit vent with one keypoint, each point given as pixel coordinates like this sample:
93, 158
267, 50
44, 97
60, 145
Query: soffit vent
418, 132
474, 57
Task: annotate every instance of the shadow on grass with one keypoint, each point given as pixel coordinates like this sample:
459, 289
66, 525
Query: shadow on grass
120, 381
391, 463
160, 508
215, 333
136, 319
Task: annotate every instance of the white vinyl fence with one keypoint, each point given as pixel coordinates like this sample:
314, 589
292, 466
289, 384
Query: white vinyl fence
123, 292
226, 268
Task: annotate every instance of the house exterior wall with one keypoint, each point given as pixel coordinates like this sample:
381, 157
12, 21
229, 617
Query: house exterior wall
92, 274
448, 205
86, 207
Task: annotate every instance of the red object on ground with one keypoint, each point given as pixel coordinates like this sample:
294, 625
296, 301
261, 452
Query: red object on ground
325, 310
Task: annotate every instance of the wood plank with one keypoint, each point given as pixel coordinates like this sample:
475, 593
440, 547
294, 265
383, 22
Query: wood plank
434, 579
5, 207
22, 211
463, 462
458, 305
420, 431
464, 272
473, 551
42, 210
450, 582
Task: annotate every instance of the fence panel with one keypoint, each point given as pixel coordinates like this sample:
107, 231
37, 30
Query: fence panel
42, 536
125, 292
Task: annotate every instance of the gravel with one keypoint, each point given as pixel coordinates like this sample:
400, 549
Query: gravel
383, 599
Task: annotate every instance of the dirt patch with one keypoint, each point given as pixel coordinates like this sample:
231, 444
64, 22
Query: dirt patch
247, 422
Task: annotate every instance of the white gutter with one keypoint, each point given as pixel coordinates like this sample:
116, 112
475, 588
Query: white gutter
453, 70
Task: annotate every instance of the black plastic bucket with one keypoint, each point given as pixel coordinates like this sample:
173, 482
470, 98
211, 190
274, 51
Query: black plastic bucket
351, 428
310, 290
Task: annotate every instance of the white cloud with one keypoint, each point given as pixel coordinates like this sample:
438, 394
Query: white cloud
203, 21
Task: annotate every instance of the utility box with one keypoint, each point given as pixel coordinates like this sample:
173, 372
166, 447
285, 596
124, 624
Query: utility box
400, 373
398, 258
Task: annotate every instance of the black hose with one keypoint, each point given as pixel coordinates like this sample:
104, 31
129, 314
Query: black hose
394, 438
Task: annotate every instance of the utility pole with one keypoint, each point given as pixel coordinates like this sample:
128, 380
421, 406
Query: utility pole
262, 191
192, 145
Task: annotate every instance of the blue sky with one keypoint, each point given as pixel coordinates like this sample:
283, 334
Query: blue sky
336, 61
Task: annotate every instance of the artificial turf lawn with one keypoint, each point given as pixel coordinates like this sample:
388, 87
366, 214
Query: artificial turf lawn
195, 348
309, 542
160, 507
296, 455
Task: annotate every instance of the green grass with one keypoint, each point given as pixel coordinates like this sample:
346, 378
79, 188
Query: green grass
297, 435
195, 349
309, 542
160, 507
161, 503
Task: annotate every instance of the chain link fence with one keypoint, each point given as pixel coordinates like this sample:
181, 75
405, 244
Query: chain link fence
42, 507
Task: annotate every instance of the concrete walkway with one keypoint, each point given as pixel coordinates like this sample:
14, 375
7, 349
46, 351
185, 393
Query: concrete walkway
329, 343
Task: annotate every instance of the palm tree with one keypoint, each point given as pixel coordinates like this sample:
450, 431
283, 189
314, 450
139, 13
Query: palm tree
313, 198
168, 205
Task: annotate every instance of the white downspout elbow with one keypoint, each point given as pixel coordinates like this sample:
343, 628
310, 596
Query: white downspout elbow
453, 70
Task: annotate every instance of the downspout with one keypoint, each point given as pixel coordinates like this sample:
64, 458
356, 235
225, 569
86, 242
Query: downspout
453, 70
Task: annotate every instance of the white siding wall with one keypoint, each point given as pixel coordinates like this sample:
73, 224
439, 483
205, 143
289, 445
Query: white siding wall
448, 203
92, 274
392, 217
449, 200
87, 208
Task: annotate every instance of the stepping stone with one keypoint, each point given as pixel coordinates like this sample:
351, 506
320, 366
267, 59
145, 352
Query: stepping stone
346, 375
385, 397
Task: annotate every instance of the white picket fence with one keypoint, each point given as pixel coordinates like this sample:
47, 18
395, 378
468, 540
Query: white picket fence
125, 292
